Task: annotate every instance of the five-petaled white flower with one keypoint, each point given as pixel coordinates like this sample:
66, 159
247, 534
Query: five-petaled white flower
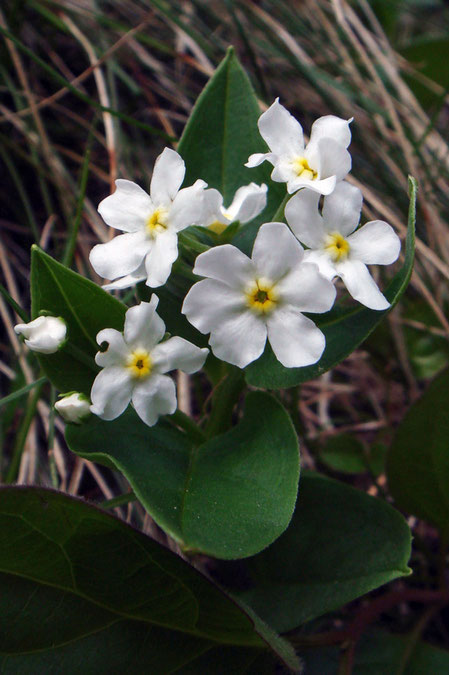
319, 165
73, 407
248, 202
151, 224
134, 365
45, 335
245, 300
336, 247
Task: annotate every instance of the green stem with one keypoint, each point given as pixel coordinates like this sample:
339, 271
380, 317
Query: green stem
224, 398
22, 436
182, 420
118, 501
22, 391
18, 310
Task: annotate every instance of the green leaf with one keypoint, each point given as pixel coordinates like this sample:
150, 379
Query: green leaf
418, 460
230, 497
82, 591
347, 454
222, 133
86, 308
345, 327
340, 544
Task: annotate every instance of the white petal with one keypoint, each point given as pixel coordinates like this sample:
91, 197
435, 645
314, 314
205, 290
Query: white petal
122, 255
225, 263
276, 251
334, 159
208, 301
117, 351
258, 157
178, 354
322, 187
161, 257
239, 339
248, 202
301, 213
376, 243
44, 334
341, 209
212, 208
188, 207
281, 131
127, 208
294, 338
73, 408
143, 326
111, 392
307, 290
168, 174
323, 261
136, 277
332, 127
154, 397
361, 284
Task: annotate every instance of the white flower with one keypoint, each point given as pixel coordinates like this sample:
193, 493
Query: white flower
134, 365
248, 202
334, 249
245, 300
46, 334
319, 165
151, 223
73, 407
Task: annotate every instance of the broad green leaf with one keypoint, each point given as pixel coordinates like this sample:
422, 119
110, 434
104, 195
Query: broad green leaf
82, 591
418, 460
230, 497
340, 544
347, 454
86, 308
222, 133
381, 653
345, 327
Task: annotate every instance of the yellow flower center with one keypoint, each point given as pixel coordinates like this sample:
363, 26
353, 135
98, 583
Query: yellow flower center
302, 168
337, 246
217, 227
139, 363
157, 221
261, 296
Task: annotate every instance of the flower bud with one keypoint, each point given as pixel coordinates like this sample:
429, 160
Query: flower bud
73, 407
46, 334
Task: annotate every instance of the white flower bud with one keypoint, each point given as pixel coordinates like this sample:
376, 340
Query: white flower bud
73, 407
46, 334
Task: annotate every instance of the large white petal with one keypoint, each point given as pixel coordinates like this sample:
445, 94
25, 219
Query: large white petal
248, 202
239, 339
154, 397
161, 257
178, 354
294, 338
225, 263
323, 261
342, 208
122, 255
361, 284
376, 243
307, 290
301, 213
276, 251
111, 392
117, 351
168, 174
322, 187
258, 157
188, 207
208, 303
143, 326
212, 208
128, 280
334, 159
332, 127
281, 131
127, 208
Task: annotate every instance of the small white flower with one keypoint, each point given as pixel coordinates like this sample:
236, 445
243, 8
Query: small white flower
134, 365
46, 334
245, 300
248, 202
319, 165
336, 247
73, 407
151, 224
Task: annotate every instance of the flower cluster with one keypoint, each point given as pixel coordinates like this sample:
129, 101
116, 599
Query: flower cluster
242, 302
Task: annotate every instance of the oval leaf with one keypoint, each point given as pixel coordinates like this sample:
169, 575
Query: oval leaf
82, 591
230, 497
345, 328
